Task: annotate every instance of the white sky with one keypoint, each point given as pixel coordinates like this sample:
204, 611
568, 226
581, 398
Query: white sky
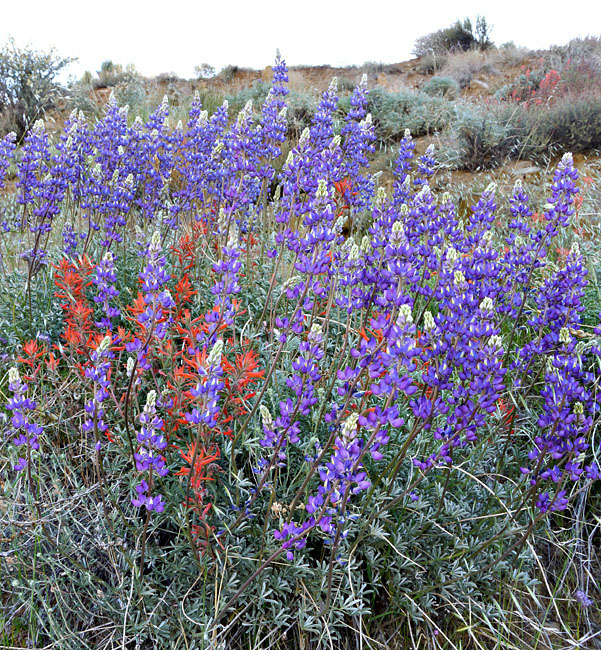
176, 35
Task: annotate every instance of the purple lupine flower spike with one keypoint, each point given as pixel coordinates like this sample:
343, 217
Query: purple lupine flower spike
25, 430
149, 457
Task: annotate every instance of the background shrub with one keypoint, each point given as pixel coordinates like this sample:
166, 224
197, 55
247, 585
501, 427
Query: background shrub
462, 35
442, 87
204, 71
464, 66
28, 86
570, 123
485, 137
417, 111
111, 74
431, 63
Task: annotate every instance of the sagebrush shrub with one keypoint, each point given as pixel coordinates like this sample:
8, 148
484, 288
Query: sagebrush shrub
442, 87
28, 86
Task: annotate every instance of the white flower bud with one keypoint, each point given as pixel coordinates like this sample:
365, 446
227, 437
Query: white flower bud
487, 304
203, 118
233, 237
339, 224
155, 241
566, 160
291, 281
322, 189
429, 323
151, 398
349, 426
304, 136
315, 334
266, 417
405, 314
104, 345
214, 358
495, 342
13, 376
564, 336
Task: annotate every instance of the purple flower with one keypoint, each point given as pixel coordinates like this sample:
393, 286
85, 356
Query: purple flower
104, 279
24, 430
149, 457
582, 598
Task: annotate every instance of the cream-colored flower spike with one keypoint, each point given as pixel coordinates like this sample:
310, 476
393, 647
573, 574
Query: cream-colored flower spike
266, 417
405, 314
104, 345
564, 336
487, 304
155, 241
214, 357
349, 426
429, 323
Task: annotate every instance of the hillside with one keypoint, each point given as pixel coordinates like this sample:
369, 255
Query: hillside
509, 109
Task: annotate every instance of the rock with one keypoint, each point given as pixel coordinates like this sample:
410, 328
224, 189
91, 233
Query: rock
480, 83
525, 170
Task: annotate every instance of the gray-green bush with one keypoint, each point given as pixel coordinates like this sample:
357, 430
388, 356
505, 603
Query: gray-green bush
442, 87
28, 86
417, 111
